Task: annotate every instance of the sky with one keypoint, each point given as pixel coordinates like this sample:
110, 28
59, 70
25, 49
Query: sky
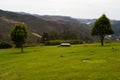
88, 9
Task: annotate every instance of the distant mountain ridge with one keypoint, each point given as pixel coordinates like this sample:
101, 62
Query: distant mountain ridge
40, 24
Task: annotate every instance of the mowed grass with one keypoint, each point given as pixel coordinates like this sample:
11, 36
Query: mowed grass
78, 62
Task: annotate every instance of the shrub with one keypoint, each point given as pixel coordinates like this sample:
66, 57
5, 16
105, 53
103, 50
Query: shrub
52, 42
4, 45
76, 42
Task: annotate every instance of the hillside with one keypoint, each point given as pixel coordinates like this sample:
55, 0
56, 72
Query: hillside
39, 25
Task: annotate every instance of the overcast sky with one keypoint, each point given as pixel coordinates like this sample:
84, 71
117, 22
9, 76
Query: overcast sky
73, 8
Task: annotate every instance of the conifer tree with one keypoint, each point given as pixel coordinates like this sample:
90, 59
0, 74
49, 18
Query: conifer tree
102, 27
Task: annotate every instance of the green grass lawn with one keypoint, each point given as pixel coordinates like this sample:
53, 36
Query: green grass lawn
78, 62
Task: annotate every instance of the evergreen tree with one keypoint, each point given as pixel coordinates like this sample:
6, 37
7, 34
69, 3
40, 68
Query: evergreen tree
102, 27
45, 37
19, 35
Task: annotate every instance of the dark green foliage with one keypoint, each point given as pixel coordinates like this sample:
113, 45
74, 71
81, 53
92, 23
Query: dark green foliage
66, 34
45, 37
52, 42
54, 35
19, 35
4, 45
69, 34
102, 27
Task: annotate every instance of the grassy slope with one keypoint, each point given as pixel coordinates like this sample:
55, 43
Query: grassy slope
79, 62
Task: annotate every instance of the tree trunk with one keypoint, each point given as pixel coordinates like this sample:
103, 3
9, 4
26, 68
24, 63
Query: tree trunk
102, 40
22, 48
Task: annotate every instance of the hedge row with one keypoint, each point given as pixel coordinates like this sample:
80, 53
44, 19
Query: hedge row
4, 45
58, 42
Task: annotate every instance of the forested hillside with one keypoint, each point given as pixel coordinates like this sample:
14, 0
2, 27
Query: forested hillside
58, 27
39, 25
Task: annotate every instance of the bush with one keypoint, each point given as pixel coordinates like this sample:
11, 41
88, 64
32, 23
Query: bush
4, 45
52, 42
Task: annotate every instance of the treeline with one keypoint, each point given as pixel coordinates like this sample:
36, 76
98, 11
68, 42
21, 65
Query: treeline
67, 35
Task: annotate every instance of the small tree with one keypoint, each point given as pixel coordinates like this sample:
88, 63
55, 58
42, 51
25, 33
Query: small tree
19, 35
45, 37
102, 27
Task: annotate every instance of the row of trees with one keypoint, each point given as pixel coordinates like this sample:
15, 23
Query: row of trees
65, 35
101, 28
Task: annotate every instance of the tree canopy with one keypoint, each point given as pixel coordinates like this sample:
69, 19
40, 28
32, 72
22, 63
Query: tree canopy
19, 35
